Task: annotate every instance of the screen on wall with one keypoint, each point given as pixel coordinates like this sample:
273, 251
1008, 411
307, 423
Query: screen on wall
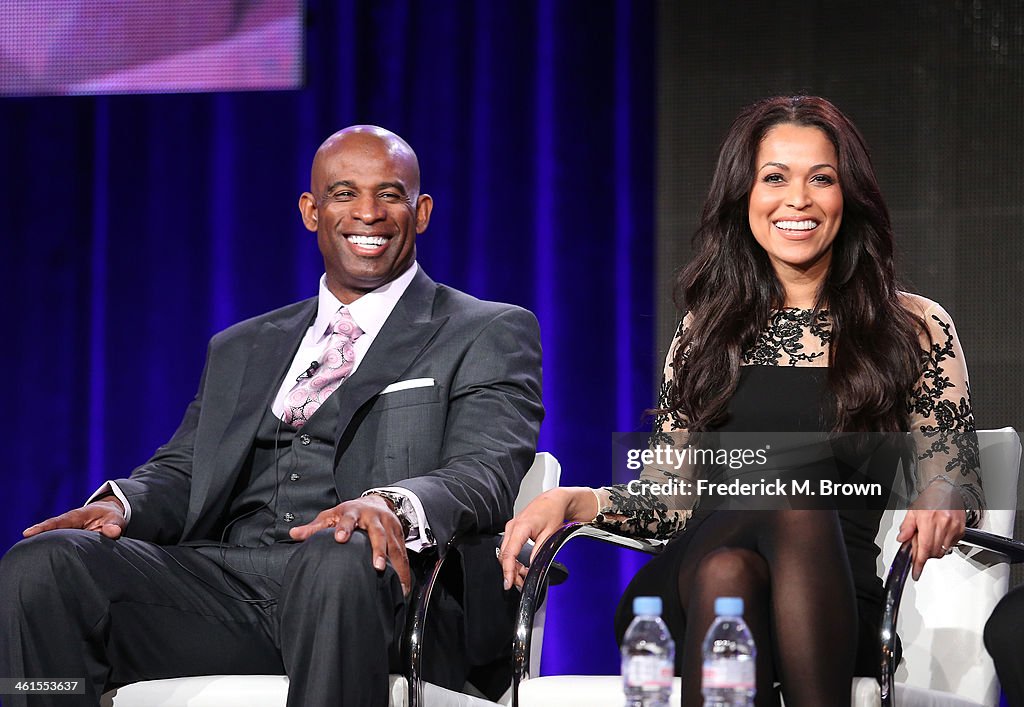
81, 47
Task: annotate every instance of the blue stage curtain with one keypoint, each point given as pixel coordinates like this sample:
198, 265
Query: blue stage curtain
134, 227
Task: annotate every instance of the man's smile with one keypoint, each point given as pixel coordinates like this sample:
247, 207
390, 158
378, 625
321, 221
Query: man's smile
367, 244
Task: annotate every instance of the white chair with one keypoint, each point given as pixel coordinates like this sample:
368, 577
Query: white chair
941, 617
408, 690
940, 620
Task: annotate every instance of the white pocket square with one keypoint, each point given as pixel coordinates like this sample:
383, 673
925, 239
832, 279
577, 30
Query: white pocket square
405, 385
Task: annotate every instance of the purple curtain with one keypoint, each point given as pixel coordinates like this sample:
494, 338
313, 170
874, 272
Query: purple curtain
134, 227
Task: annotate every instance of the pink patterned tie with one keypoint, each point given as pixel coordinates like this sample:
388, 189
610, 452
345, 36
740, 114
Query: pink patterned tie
335, 366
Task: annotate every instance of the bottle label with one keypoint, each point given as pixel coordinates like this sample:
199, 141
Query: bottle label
648, 671
735, 673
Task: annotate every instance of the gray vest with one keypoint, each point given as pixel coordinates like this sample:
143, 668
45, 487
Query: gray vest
285, 482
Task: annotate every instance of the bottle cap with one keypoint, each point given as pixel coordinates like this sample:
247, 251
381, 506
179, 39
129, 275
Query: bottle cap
729, 606
647, 606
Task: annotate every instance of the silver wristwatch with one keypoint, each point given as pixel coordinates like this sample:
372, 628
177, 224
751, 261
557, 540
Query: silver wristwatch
397, 503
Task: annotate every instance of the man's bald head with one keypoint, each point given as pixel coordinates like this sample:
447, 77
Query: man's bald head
366, 208
367, 138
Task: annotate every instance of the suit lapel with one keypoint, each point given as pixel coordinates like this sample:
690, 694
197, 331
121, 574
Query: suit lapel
409, 328
269, 357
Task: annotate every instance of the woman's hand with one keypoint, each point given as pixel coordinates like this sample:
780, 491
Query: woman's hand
542, 517
933, 527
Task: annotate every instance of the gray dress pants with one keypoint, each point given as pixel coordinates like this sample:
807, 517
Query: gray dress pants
74, 604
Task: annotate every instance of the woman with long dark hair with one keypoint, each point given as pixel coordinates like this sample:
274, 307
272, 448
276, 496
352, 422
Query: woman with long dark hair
793, 322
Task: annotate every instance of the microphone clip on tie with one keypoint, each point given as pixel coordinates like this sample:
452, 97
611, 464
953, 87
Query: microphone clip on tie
308, 373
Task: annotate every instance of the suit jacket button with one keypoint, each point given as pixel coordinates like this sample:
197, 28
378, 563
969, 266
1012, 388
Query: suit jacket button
305, 440
294, 477
289, 517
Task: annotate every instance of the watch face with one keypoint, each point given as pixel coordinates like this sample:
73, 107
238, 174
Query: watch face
397, 503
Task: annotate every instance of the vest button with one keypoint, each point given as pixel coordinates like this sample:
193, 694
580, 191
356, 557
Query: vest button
294, 477
305, 440
289, 517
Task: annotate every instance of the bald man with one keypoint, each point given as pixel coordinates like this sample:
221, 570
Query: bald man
330, 442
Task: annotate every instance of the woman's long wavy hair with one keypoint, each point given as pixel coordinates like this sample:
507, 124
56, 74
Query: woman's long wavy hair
730, 288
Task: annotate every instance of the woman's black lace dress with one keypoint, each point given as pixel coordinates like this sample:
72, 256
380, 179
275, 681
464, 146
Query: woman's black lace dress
783, 393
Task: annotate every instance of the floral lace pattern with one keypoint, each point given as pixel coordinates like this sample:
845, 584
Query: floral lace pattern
940, 409
942, 422
798, 334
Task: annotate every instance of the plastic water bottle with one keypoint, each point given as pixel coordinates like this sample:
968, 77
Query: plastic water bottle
648, 656
727, 678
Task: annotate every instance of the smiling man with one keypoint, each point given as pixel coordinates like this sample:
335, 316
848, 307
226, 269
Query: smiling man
365, 208
328, 439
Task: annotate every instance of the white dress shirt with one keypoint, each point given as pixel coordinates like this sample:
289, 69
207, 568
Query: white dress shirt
369, 311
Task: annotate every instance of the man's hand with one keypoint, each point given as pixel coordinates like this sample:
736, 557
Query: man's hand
374, 515
104, 515
933, 527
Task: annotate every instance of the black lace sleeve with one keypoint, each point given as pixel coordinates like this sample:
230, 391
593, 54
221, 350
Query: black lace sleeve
941, 419
658, 504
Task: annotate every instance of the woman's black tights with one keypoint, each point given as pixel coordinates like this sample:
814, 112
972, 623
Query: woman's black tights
791, 569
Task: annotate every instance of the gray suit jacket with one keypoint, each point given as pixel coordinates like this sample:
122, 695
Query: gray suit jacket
462, 445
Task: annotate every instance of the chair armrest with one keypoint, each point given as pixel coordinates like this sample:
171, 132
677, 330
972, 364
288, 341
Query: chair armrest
413, 641
414, 631
1013, 549
651, 547
897, 579
894, 583
536, 580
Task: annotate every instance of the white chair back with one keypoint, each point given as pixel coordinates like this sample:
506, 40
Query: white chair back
542, 476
